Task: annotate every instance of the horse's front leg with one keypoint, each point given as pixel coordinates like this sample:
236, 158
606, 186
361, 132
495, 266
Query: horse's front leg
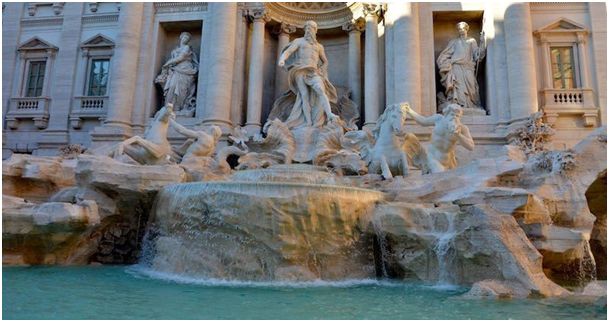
385, 171
404, 162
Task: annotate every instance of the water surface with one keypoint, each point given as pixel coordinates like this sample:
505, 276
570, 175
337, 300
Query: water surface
121, 292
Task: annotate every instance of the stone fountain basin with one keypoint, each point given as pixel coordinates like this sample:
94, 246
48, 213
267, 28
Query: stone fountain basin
262, 231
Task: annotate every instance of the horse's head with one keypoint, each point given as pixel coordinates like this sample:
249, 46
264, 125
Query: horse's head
396, 118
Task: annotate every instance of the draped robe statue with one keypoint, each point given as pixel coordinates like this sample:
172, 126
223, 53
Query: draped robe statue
457, 64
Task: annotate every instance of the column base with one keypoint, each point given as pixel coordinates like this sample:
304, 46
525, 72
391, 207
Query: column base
253, 128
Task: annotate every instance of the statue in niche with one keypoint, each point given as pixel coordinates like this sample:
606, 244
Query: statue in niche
178, 77
458, 65
307, 65
448, 131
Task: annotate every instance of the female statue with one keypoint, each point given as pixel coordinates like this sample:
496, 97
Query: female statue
178, 77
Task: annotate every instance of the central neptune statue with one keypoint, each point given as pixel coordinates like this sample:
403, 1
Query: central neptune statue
307, 66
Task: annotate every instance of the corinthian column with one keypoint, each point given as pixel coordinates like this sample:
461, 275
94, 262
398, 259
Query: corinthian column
255, 77
221, 61
281, 75
124, 67
520, 61
371, 66
355, 28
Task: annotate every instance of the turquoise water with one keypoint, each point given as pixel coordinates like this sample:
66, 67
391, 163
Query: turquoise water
132, 293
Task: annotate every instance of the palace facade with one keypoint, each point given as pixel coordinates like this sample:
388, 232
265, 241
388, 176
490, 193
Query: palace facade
86, 73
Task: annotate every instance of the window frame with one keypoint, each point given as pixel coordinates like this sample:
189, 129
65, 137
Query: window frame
90, 60
26, 78
577, 83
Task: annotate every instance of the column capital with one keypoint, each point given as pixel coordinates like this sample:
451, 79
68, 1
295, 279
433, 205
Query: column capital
581, 38
355, 25
372, 10
284, 28
258, 14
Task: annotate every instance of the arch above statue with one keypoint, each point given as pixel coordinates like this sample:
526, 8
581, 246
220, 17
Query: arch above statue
327, 15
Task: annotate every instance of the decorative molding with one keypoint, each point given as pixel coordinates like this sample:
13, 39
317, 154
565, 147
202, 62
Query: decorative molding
355, 25
42, 22
58, 7
258, 14
36, 43
98, 41
171, 7
284, 28
326, 15
100, 18
93, 6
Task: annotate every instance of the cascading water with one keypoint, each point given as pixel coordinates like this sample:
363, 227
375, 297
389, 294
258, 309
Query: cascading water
445, 252
262, 231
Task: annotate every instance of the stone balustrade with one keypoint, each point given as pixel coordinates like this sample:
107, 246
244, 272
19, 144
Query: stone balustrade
569, 101
35, 108
88, 107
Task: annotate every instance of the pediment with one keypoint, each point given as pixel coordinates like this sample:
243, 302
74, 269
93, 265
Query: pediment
98, 40
36, 44
563, 24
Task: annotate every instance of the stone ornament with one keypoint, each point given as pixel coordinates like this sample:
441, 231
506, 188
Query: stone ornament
178, 77
448, 131
285, 28
355, 25
458, 65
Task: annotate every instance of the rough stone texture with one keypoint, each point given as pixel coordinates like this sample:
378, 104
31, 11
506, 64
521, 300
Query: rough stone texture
478, 242
288, 231
49, 233
36, 178
497, 289
101, 219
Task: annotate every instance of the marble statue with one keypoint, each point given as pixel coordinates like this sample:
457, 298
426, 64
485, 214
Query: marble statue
153, 148
178, 77
458, 64
384, 149
306, 63
199, 143
448, 131
256, 152
338, 153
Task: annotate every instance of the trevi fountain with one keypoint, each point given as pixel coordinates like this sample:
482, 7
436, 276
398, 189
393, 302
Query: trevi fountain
319, 212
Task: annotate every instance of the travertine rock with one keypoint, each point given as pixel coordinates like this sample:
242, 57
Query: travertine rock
48, 233
36, 178
497, 289
459, 245
125, 180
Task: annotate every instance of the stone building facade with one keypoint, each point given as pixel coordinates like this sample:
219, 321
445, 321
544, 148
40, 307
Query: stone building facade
84, 73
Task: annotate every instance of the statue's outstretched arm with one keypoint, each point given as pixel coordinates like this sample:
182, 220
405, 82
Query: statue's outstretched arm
422, 120
465, 138
183, 130
287, 53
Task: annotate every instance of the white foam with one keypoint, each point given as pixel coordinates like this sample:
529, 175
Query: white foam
141, 271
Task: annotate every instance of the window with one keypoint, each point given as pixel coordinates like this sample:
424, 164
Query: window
35, 80
98, 77
562, 60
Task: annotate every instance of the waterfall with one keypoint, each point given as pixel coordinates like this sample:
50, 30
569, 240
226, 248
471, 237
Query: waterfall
445, 252
381, 239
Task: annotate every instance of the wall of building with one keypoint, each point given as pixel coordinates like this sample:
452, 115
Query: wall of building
408, 45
